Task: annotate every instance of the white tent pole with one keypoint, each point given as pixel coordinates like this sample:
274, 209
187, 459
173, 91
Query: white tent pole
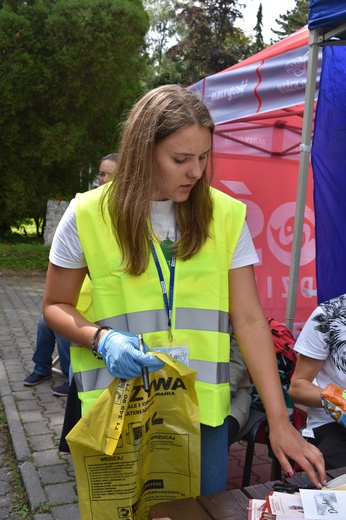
305, 149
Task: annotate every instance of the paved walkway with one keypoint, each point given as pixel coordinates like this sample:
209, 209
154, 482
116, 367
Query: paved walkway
35, 416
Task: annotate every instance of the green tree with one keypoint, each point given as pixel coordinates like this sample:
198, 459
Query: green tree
293, 20
210, 41
162, 28
259, 43
202, 39
68, 71
163, 31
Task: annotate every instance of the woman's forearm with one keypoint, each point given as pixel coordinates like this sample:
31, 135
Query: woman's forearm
305, 393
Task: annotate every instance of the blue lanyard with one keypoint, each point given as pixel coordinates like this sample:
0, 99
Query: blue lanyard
168, 303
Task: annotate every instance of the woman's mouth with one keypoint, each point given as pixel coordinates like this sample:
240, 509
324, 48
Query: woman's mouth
186, 187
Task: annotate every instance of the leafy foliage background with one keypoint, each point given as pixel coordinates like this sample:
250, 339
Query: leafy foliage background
68, 71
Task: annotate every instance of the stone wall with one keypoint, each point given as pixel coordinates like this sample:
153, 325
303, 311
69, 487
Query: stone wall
55, 210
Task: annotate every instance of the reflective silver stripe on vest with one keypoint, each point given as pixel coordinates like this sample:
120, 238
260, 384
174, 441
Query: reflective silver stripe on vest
156, 320
201, 319
135, 322
99, 378
210, 372
96, 379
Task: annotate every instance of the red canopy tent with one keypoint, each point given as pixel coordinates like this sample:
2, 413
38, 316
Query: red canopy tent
258, 108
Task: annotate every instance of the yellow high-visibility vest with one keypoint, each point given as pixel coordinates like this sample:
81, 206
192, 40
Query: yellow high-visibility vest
135, 303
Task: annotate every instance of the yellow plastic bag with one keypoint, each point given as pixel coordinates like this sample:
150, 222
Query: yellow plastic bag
133, 449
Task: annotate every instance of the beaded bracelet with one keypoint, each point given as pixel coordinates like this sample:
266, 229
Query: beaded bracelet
93, 341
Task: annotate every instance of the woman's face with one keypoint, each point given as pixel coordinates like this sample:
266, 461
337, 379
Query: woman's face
105, 171
181, 159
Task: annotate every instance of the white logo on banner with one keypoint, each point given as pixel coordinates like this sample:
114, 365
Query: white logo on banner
279, 228
280, 234
230, 92
296, 67
299, 65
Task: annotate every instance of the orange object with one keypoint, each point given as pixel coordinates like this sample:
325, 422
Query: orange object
334, 402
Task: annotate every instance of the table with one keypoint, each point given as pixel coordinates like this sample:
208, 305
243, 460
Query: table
228, 505
302, 479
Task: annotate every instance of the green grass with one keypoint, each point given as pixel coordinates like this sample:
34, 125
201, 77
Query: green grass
23, 250
24, 257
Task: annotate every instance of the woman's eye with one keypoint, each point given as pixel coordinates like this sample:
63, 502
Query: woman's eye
179, 161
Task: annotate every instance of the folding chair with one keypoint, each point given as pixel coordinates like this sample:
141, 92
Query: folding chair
256, 430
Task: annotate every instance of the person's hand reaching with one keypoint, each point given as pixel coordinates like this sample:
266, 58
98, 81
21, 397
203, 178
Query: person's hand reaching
121, 354
288, 444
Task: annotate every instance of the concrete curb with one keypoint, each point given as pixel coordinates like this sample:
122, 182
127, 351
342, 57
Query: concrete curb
34, 415
31, 481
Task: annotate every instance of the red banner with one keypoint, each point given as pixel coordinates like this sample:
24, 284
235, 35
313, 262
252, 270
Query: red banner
267, 185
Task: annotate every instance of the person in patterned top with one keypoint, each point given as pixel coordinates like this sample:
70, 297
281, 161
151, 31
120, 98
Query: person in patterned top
322, 361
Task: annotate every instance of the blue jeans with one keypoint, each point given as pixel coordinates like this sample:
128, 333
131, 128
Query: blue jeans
214, 458
45, 343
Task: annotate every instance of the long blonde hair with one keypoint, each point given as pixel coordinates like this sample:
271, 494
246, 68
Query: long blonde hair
158, 114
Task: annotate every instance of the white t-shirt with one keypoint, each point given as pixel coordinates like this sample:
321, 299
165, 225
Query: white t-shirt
324, 337
66, 250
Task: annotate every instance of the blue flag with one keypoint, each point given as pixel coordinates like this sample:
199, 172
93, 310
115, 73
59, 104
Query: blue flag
329, 171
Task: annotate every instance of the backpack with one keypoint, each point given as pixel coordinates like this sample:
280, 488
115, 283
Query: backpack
286, 360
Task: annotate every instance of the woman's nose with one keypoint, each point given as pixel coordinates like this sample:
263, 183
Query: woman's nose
195, 171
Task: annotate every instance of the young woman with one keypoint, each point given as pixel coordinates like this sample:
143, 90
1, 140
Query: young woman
171, 258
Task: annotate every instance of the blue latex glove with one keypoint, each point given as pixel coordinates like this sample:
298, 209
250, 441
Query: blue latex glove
120, 352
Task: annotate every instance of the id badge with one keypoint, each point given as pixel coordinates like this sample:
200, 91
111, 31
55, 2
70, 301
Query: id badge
178, 352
